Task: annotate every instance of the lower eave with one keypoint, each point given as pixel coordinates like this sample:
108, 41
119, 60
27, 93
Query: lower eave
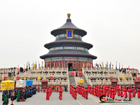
67, 55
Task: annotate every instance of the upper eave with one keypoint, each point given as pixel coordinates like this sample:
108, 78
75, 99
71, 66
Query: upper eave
66, 26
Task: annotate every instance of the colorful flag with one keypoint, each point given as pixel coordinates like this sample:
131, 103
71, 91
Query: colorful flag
33, 64
128, 70
39, 65
18, 70
133, 72
99, 65
116, 65
119, 66
29, 64
122, 68
42, 64
107, 65
11, 72
110, 65
103, 65
24, 67
136, 73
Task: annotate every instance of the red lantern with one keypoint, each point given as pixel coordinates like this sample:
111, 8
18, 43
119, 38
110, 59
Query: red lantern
111, 78
17, 78
51, 77
139, 78
5, 78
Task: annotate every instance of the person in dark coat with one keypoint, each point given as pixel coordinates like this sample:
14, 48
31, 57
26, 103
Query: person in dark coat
15, 94
76, 73
3, 95
25, 95
9, 93
65, 88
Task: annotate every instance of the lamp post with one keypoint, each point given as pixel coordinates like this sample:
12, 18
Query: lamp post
12, 96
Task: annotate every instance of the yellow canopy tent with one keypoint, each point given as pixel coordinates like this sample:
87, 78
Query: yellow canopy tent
7, 85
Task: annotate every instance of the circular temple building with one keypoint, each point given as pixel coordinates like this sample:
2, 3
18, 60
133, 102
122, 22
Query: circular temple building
68, 50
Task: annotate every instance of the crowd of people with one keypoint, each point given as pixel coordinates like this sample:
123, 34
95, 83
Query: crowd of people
20, 94
106, 91
113, 91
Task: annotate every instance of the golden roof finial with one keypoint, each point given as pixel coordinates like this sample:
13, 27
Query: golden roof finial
68, 15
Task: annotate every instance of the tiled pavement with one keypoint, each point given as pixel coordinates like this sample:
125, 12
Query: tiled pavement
40, 99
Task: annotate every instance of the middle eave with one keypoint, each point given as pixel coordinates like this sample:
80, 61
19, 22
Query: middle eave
68, 43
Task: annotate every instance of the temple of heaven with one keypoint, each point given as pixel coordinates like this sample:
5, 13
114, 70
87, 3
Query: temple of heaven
68, 50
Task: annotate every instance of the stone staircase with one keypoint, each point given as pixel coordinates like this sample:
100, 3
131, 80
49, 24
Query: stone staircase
75, 80
85, 81
72, 80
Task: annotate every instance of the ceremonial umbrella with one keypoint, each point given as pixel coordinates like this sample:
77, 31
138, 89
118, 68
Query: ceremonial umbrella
7, 85
20, 83
29, 83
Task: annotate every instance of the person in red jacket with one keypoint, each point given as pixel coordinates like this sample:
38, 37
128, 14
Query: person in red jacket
134, 91
60, 92
121, 91
44, 88
82, 91
138, 92
101, 91
38, 89
107, 90
130, 95
113, 93
93, 90
125, 93
85, 93
118, 91
75, 93
47, 94
98, 91
110, 92
88, 87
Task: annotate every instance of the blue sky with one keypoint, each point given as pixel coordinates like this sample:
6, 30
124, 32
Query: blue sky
112, 27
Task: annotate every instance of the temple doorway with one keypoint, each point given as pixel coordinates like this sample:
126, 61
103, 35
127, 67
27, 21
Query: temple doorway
69, 66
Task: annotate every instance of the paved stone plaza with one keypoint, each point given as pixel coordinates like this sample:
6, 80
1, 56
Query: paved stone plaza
40, 99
